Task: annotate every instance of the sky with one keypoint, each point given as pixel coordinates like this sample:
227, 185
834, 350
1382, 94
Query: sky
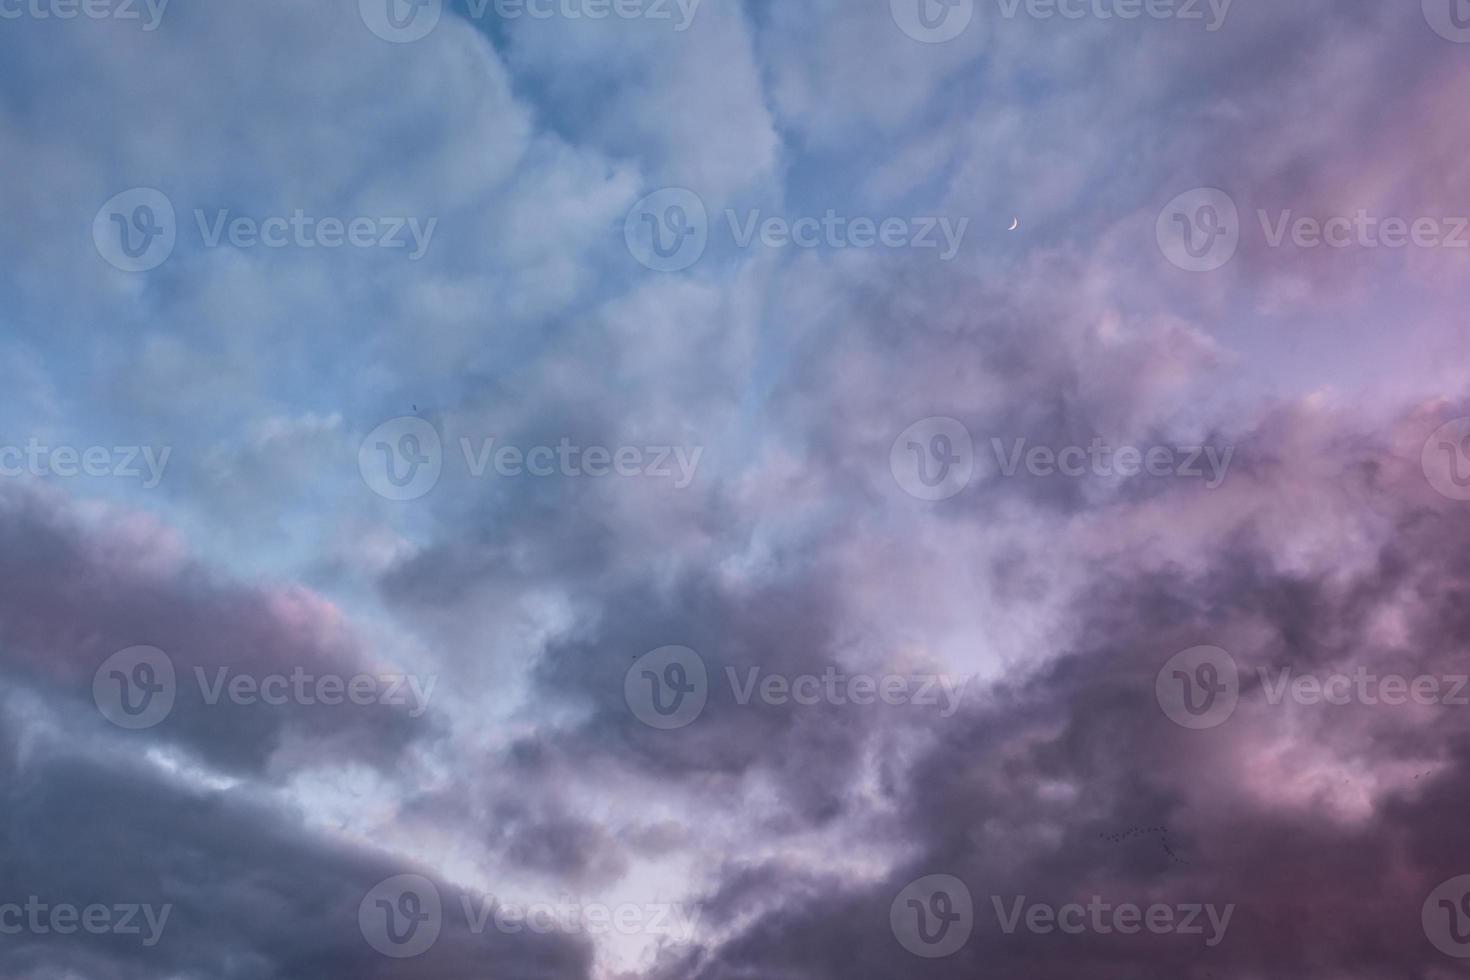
726, 489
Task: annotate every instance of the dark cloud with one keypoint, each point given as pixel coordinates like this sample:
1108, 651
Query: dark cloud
77, 591
253, 893
1325, 826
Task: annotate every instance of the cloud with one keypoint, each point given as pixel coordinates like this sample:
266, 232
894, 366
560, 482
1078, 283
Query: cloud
81, 588
793, 380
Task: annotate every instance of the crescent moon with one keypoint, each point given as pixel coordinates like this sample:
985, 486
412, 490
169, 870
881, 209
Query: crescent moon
1015, 223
